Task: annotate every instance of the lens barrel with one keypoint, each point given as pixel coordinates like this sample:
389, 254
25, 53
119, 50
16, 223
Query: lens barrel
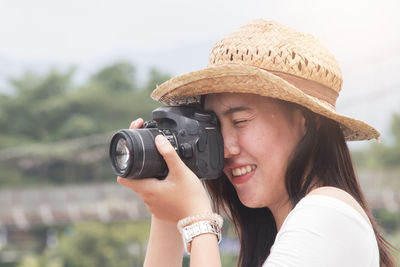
133, 154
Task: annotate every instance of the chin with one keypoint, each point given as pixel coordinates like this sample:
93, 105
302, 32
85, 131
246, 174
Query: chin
250, 202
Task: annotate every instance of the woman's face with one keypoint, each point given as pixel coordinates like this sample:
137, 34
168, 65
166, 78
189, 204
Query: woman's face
260, 135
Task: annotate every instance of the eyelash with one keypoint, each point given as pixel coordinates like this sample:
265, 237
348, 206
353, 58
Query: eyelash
239, 121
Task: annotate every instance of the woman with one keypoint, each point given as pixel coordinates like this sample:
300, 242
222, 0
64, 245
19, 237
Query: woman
288, 186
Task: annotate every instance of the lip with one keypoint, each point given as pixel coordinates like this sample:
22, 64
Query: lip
239, 179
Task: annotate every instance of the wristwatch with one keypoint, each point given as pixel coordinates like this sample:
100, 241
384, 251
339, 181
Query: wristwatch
198, 228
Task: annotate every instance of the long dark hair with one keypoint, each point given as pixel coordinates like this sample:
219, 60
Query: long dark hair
324, 147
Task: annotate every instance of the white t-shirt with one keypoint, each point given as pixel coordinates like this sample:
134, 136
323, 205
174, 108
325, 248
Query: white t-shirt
324, 231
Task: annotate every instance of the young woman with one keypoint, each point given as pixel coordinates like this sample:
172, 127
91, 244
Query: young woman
289, 185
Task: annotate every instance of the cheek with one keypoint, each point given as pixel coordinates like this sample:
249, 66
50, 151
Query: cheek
269, 146
259, 142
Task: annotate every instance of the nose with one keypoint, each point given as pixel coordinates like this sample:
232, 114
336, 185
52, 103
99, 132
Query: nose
231, 145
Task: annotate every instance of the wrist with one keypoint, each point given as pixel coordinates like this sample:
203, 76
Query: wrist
194, 226
202, 206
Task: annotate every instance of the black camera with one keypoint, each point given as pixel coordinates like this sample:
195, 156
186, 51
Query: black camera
193, 132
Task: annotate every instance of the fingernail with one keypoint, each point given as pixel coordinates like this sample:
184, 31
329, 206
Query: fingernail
161, 140
134, 122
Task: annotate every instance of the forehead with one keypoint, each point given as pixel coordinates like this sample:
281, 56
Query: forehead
224, 101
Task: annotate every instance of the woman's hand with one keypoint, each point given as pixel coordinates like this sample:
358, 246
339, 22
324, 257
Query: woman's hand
179, 195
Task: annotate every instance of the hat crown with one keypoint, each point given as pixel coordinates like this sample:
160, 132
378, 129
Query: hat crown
274, 47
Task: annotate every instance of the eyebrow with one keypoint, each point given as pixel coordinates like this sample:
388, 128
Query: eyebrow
236, 109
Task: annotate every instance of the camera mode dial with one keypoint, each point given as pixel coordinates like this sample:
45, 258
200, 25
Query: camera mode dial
171, 137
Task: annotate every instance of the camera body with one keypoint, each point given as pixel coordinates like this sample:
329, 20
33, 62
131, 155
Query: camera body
193, 132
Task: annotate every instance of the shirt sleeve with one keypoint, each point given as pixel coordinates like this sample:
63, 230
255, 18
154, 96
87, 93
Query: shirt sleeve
324, 231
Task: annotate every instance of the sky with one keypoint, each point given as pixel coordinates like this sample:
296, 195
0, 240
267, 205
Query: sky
176, 36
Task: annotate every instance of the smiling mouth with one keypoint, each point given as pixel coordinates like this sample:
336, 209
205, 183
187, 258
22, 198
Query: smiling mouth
243, 170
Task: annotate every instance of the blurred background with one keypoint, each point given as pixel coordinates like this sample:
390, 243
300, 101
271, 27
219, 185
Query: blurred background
72, 72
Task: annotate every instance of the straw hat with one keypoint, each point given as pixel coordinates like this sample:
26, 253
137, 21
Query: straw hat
269, 59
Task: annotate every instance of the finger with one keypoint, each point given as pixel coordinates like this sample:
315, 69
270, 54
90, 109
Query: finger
140, 186
168, 152
136, 123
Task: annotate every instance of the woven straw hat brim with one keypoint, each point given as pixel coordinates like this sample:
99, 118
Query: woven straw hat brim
237, 78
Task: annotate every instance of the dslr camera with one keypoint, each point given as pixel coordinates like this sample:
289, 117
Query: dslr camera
193, 132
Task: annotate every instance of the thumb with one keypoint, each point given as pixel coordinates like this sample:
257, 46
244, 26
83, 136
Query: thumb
168, 152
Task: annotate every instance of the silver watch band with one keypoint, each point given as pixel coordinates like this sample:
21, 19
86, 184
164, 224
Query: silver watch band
198, 228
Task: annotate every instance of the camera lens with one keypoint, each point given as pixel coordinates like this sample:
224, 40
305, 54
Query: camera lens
122, 154
133, 154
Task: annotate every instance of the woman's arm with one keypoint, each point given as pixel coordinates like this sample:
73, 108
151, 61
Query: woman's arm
205, 251
165, 246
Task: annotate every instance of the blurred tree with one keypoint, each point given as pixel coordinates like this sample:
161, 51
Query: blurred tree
37, 107
155, 78
380, 155
49, 109
395, 127
96, 244
389, 220
34, 86
120, 76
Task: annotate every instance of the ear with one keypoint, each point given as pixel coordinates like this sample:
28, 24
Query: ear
309, 120
301, 121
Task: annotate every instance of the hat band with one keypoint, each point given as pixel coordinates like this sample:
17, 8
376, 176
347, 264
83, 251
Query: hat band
311, 88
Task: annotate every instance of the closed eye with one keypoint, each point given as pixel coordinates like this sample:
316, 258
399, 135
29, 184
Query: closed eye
239, 122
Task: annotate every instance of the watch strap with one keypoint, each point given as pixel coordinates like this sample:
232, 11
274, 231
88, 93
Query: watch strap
189, 232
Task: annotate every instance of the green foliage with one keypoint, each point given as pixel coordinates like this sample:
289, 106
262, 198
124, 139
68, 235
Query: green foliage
33, 86
395, 127
117, 77
47, 110
381, 155
394, 239
95, 244
227, 260
37, 107
155, 78
384, 159
116, 245
32, 260
389, 220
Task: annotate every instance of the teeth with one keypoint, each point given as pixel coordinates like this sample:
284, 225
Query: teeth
236, 172
243, 170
